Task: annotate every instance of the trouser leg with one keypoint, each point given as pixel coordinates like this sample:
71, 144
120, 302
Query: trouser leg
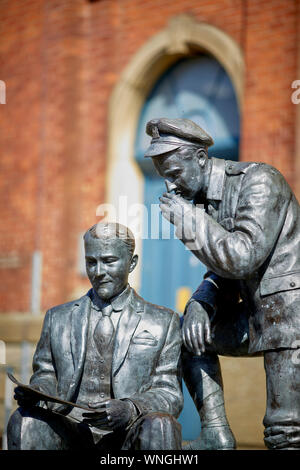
202, 375
282, 418
40, 429
155, 431
203, 379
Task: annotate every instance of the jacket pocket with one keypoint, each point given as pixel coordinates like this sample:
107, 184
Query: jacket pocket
144, 341
282, 282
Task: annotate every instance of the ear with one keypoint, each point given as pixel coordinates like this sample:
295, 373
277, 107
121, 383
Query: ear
133, 263
202, 156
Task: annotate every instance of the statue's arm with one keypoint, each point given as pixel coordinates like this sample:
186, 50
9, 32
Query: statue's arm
164, 390
43, 369
215, 290
260, 215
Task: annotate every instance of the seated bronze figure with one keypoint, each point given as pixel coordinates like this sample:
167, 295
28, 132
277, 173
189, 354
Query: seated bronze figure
110, 351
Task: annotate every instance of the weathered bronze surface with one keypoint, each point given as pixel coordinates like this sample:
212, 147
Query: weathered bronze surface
110, 351
248, 235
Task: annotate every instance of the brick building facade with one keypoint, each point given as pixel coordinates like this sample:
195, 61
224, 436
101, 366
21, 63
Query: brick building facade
61, 61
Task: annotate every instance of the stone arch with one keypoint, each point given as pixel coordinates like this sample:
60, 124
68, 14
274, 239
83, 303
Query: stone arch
182, 37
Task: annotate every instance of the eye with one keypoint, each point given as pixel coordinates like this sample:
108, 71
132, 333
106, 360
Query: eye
110, 260
175, 175
91, 261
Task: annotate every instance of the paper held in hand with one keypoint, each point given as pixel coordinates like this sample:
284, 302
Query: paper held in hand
43, 396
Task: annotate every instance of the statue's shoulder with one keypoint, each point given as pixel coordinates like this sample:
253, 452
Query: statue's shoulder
236, 168
156, 311
233, 167
68, 306
255, 170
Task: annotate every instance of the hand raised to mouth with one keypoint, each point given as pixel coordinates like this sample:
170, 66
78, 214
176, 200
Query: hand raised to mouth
174, 207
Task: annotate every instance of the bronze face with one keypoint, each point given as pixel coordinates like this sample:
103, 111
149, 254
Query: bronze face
108, 264
186, 173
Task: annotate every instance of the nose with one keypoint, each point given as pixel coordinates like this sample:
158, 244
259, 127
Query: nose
170, 186
100, 269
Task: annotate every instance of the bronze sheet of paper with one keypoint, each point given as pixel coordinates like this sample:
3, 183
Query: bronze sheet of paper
44, 397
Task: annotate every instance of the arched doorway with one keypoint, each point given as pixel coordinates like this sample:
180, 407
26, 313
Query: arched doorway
197, 88
182, 37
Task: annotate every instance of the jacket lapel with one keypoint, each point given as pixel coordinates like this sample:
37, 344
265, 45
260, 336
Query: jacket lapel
78, 339
127, 325
79, 331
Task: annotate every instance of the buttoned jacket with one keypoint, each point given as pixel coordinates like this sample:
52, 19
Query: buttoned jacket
250, 233
145, 366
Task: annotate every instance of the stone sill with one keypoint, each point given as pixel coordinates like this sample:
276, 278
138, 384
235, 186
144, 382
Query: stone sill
18, 327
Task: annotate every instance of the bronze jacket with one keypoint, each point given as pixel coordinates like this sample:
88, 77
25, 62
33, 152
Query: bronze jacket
145, 358
250, 233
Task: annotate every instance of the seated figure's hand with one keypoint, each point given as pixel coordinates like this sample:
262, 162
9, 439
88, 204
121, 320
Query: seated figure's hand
25, 398
110, 414
196, 329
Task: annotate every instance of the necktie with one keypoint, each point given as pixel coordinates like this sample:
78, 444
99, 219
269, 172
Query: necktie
104, 330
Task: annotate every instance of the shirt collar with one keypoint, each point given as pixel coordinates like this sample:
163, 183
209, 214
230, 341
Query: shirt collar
118, 302
216, 180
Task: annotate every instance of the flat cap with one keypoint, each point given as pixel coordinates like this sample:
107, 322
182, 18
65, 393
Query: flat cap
170, 134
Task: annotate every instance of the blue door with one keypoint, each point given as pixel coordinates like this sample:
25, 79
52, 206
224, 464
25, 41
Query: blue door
199, 89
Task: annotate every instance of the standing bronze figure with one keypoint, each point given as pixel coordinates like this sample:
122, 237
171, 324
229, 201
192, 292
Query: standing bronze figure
109, 351
248, 235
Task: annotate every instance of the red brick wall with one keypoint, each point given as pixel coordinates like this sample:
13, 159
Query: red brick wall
271, 61
60, 60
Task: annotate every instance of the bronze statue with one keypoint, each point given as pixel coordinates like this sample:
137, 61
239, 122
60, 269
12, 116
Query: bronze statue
109, 351
248, 235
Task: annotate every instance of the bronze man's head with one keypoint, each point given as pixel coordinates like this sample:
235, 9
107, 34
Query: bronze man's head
179, 153
109, 255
